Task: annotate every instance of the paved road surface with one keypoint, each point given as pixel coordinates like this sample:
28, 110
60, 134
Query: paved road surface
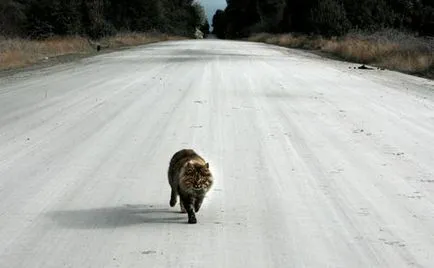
316, 164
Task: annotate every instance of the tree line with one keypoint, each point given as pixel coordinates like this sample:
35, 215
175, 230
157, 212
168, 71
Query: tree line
97, 18
241, 18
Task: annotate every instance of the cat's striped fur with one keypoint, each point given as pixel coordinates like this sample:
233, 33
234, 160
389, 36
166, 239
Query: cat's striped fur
190, 178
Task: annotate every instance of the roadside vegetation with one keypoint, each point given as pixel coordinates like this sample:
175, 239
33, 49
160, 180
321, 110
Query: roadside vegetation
397, 35
32, 31
389, 49
20, 52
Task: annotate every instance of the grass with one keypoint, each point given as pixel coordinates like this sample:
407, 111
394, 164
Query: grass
388, 49
134, 39
18, 52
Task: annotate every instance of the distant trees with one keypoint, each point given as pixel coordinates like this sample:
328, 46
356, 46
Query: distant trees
327, 17
270, 14
96, 18
219, 24
12, 17
200, 18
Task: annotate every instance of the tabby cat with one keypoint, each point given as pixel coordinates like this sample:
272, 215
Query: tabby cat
190, 178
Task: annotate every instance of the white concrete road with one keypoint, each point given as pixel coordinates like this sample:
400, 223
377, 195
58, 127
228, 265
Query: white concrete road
316, 164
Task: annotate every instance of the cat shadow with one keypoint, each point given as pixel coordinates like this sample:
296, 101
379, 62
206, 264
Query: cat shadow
115, 217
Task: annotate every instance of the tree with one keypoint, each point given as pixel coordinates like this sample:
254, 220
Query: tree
271, 14
219, 23
12, 17
328, 17
199, 13
204, 28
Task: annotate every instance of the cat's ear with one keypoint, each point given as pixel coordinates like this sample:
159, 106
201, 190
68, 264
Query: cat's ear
207, 165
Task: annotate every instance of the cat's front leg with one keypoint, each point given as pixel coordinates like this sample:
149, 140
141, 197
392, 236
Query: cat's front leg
198, 203
188, 204
191, 216
181, 204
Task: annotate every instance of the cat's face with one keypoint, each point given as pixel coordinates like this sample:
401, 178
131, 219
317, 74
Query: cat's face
198, 176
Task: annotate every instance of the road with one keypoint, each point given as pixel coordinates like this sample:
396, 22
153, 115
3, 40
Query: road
316, 164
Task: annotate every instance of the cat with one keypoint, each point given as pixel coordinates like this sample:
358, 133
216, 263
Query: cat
190, 178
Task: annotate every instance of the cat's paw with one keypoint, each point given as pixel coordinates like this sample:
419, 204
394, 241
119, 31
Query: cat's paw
192, 220
172, 203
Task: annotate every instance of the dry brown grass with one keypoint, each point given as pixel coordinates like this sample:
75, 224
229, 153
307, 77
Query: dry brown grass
286, 40
16, 52
134, 39
388, 49
21, 52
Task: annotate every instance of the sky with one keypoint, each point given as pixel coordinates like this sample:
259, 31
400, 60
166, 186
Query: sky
211, 6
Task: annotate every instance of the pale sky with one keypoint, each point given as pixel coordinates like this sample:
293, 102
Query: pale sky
211, 6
